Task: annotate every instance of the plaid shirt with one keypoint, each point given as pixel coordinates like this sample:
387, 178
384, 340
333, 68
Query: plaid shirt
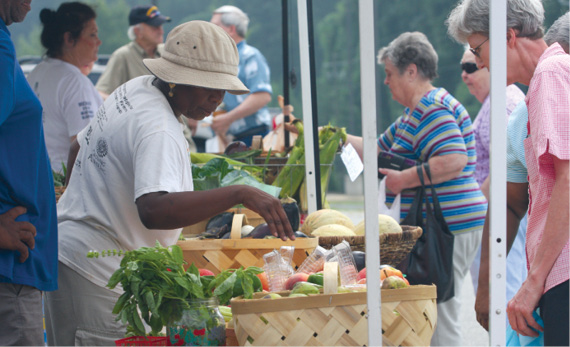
548, 101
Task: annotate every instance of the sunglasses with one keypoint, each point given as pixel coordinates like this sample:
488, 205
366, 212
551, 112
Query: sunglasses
475, 50
469, 67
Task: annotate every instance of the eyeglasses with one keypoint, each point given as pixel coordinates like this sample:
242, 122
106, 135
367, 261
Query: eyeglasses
475, 50
469, 67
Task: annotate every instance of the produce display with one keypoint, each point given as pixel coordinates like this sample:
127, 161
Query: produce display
220, 226
291, 177
158, 290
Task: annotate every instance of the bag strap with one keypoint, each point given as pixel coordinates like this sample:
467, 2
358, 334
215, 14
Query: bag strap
414, 216
436, 207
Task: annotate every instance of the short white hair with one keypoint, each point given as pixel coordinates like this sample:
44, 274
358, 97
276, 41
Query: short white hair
232, 15
131, 32
471, 17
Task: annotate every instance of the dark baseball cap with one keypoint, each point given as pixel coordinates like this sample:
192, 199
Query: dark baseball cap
147, 14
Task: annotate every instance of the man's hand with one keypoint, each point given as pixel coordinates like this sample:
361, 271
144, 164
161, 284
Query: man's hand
16, 236
271, 210
482, 306
221, 123
521, 306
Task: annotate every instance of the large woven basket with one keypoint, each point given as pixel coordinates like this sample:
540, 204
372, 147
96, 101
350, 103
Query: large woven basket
58, 192
394, 247
409, 316
221, 254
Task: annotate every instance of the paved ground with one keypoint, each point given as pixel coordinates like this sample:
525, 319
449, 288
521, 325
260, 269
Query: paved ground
473, 333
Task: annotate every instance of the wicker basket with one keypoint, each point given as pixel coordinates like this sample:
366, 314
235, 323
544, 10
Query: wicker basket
409, 316
394, 247
58, 192
221, 254
253, 218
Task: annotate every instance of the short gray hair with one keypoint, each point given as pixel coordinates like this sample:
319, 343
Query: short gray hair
232, 15
411, 48
471, 17
559, 32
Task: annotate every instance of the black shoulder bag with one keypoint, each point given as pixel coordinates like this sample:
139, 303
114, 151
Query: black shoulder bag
431, 259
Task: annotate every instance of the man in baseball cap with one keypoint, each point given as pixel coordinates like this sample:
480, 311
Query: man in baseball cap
147, 36
147, 14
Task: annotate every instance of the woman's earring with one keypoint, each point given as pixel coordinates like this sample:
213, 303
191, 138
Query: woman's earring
171, 92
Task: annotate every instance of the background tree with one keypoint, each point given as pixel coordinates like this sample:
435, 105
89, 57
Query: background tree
335, 24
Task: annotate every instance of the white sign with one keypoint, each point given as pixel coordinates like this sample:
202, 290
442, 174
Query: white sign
351, 161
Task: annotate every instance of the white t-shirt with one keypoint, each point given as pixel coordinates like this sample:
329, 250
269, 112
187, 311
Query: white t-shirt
132, 147
69, 100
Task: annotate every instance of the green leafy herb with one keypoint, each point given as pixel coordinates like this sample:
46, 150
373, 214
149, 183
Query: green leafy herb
157, 288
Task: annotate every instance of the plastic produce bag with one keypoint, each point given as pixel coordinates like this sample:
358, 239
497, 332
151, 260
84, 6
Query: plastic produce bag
394, 210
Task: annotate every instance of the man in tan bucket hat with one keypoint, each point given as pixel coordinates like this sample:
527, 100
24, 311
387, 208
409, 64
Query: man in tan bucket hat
131, 182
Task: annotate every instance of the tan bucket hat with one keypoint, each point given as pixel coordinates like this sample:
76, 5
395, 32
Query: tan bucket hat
201, 54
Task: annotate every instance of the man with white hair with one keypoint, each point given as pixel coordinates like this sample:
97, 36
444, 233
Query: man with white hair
246, 115
146, 35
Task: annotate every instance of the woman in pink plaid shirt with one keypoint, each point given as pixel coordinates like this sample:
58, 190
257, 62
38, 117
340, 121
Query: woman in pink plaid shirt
546, 70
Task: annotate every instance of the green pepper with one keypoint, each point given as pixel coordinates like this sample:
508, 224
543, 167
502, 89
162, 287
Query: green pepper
316, 278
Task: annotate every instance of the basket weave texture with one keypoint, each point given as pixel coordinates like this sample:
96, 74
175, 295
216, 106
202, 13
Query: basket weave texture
409, 317
58, 192
219, 255
394, 247
222, 254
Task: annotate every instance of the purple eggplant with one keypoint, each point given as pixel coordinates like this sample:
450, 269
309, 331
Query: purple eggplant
259, 232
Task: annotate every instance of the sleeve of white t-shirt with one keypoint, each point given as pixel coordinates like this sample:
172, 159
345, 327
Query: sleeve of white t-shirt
160, 161
80, 102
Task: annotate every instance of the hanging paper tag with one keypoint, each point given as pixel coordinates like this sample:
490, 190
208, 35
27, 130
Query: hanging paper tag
351, 161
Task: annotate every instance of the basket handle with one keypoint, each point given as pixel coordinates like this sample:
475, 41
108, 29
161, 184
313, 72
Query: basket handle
331, 278
238, 221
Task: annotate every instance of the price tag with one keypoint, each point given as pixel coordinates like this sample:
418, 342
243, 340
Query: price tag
351, 161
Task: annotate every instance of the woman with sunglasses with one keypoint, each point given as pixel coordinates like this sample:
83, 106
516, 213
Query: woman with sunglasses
478, 82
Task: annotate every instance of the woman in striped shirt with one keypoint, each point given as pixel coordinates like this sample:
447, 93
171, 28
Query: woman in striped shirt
434, 128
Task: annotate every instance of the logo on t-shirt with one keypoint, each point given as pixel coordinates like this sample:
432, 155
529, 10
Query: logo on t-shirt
102, 148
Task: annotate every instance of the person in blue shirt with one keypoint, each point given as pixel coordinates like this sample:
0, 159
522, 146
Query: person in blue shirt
246, 115
28, 221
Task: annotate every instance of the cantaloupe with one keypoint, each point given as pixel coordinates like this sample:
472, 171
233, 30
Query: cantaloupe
333, 230
325, 217
386, 224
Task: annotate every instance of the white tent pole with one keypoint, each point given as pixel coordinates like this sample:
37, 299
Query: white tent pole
498, 173
368, 105
307, 105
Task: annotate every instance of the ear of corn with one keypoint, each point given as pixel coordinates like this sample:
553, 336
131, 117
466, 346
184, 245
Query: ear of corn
292, 176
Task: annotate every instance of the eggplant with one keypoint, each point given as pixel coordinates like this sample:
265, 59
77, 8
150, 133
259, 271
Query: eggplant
224, 218
259, 232
292, 211
215, 233
300, 234
236, 147
359, 259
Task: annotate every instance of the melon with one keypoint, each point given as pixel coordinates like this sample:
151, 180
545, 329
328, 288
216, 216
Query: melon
333, 230
325, 217
386, 224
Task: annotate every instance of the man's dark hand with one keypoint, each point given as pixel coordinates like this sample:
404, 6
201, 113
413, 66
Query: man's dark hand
271, 210
16, 236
